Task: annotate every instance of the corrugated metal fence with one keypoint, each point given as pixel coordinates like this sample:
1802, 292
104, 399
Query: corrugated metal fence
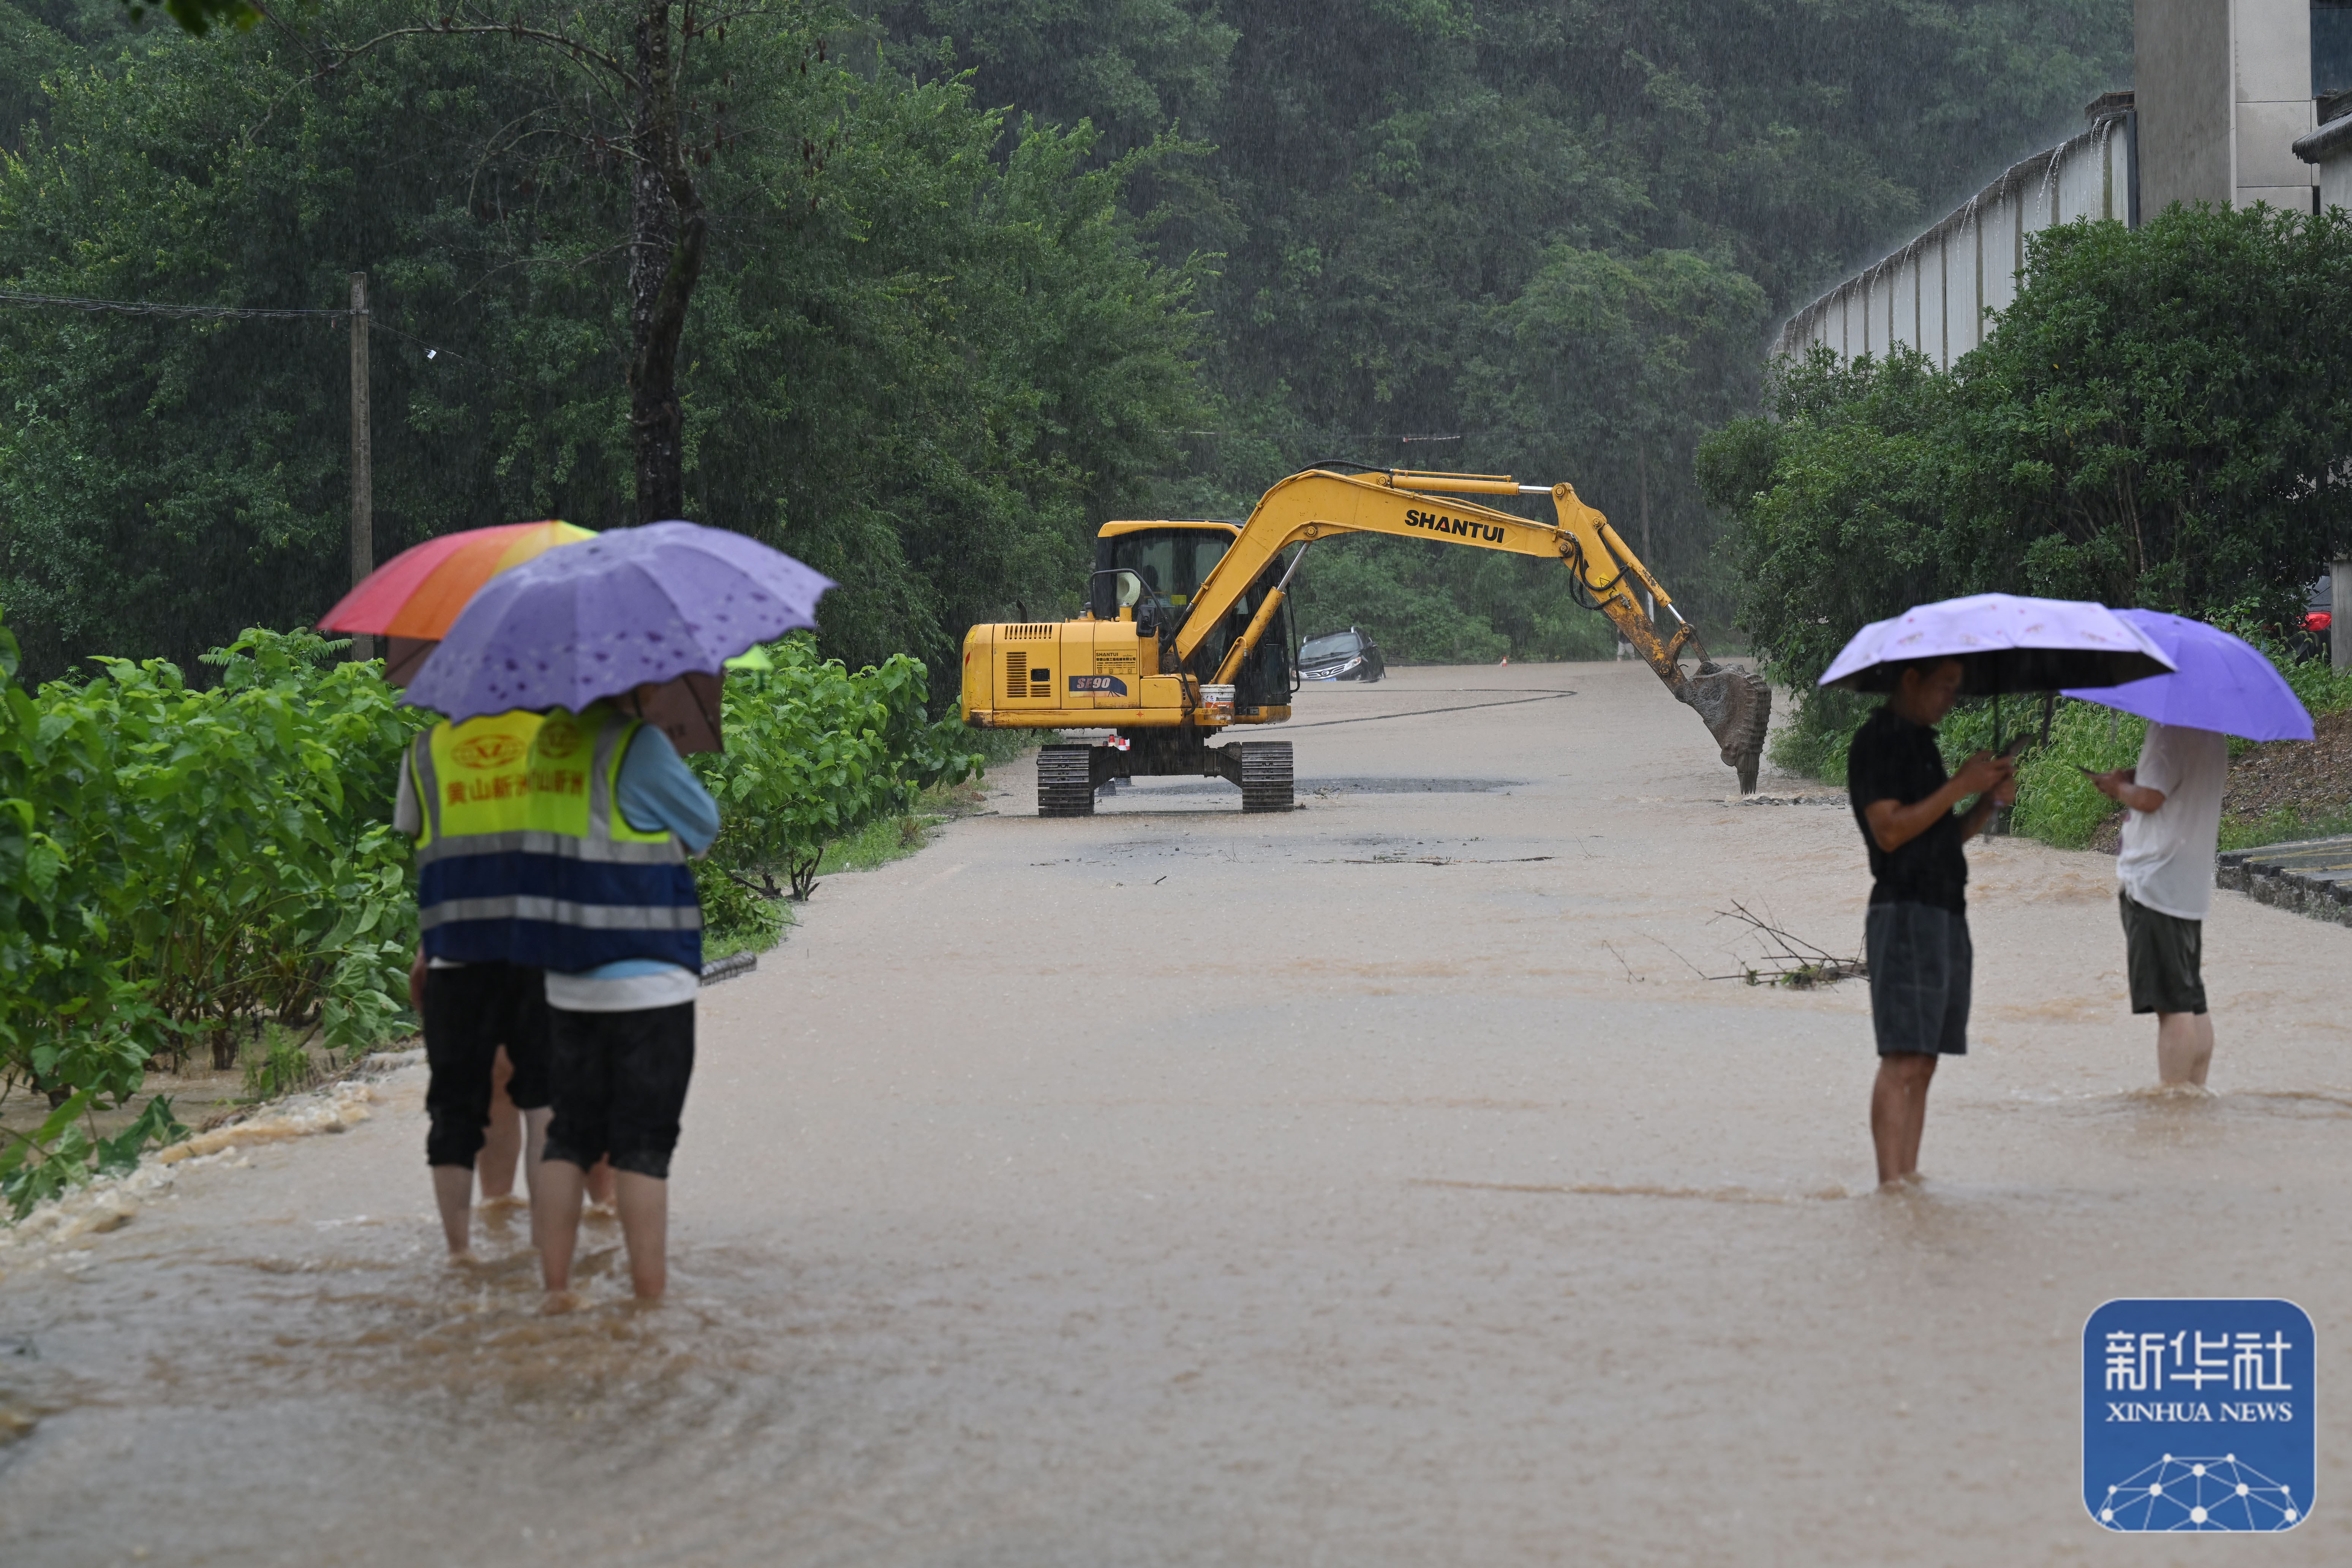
1933, 294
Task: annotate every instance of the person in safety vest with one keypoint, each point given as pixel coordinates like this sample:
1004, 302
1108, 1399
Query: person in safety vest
462, 796
600, 896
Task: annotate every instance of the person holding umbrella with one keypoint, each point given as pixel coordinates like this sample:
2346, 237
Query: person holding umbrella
460, 795
1921, 958
597, 637
1916, 933
2223, 686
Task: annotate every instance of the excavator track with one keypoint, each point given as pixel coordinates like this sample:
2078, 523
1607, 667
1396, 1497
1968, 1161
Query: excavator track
1068, 776
1066, 786
1266, 775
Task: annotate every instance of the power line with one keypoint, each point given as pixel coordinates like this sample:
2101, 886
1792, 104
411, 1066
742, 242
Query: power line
235, 312
149, 308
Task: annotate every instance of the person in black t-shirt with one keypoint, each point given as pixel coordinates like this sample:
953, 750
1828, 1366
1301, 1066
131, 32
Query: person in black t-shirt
1917, 929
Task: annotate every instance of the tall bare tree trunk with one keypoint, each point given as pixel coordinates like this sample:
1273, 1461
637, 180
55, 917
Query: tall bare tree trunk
667, 227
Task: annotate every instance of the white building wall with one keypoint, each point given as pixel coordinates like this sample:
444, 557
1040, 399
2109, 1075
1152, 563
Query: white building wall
1933, 292
2270, 45
1961, 242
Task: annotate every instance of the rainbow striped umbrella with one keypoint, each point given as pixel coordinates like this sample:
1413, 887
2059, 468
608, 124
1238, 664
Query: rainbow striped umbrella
415, 597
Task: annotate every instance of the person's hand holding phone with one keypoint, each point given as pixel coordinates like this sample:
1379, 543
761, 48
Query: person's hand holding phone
1983, 772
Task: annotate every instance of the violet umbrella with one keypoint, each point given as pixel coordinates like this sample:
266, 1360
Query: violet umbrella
2222, 682
2005, 643
629, 608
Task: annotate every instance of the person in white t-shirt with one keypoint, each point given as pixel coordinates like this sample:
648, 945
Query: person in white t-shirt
2174, 800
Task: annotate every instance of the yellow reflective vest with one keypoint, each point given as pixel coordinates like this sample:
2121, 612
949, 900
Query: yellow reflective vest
526, 857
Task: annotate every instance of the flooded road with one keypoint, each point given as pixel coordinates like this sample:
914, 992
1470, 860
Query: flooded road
1381, 1182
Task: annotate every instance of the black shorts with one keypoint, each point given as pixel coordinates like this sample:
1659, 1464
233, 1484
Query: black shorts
1921, 966
470, 1012
2164, 958
620, 1087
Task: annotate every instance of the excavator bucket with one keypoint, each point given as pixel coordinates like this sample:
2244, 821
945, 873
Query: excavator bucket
1737, 708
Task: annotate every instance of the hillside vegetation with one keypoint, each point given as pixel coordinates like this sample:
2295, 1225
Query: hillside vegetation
2160, 421
981, 273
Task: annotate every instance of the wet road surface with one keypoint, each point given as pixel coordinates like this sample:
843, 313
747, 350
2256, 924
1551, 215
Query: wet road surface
1381, 1182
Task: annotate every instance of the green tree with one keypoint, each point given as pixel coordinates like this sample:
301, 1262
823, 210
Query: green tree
2161, 419
926, 368
933, 339
1422, 213
1842, 501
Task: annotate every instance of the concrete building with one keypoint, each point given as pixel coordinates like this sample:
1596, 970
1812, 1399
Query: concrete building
2223, 109
2224, 88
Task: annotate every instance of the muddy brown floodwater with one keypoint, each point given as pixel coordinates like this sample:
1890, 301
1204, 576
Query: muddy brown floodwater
1375, 1183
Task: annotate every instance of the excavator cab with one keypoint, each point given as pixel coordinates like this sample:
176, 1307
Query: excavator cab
1172, 560
1169, 560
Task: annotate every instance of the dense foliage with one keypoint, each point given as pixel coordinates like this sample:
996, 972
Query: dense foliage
180, 866
936, 341
814, 753
927, 348
181, 869
2055, 803
1537, 237
2160, 421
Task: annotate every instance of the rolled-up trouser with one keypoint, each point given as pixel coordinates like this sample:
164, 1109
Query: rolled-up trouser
619, 1082
470, 1012
1921, 963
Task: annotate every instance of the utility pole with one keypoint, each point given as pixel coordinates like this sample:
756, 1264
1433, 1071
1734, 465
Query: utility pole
362, 475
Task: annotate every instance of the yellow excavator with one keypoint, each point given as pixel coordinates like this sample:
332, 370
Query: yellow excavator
1185, 636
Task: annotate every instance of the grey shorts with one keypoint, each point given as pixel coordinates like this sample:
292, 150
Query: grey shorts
2164, 958
1921, 963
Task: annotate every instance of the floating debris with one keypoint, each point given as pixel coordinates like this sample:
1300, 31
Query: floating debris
1791, 960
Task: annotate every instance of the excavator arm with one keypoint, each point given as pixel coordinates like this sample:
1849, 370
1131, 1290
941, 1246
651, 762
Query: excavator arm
1607, 576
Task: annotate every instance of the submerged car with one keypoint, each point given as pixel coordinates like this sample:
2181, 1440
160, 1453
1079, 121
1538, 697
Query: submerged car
1350, 654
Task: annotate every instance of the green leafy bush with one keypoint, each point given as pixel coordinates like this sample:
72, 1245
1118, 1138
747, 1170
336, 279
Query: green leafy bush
2054, 801
735, 914
186, 868
178, 863
815, 753
278, 1063
58, 1154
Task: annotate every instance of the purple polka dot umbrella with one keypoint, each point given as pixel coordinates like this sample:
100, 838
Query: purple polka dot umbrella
630, 607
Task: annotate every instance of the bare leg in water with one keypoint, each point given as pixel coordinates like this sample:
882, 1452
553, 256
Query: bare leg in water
512, 1137
501, 1153
453, 1188
2184, 1047
1898, 1114
453, 1193
600, 1189
644, 1203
